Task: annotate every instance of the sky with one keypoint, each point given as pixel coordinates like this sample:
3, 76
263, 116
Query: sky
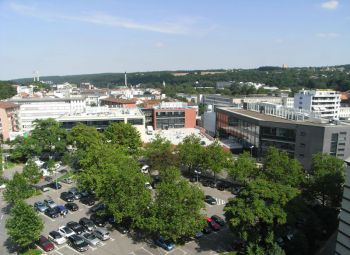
62, 37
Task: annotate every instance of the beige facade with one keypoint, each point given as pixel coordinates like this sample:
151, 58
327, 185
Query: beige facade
8, 119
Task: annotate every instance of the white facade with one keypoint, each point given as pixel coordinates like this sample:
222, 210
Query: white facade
325, 102
31, 109
344, 112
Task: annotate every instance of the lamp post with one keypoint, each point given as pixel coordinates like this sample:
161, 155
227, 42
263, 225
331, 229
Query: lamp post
251, 150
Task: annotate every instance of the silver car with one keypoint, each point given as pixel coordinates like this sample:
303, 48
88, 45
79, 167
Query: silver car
91, 239
40, 206
102, 234
50, 203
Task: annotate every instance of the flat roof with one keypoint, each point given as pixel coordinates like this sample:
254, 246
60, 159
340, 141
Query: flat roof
264, 117
45, 99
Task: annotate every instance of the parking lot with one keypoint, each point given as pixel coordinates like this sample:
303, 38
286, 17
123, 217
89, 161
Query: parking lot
132, 243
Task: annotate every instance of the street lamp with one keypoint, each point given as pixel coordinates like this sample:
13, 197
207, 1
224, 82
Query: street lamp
251, 150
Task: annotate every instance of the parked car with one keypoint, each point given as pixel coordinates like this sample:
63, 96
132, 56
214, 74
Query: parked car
208, 183
91, 239
55, 185
40, 206
165, 244
65, 231
44, 188
207, 230
74, 191
45, 244
72, 207
223, 185
87, 224
199, 234
76, 227
218, 220
210, 200
67, 181
99, 220
50, 203
123, 227
52, 213
56, 237
61, 209
102, 234
88, 200
66, 196
97, 207
77, 243
215, 226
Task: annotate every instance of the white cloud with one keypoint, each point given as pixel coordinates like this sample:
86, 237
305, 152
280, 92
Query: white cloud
330, 5
328, 35
185, 25
159, 45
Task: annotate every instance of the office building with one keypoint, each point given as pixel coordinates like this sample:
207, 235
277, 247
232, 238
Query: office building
8, 119
343, 239
31, 109
102, 117
323, 101
301, 134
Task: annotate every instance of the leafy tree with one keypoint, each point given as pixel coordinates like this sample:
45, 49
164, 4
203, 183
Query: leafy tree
258, 210
176, 211
244, 169
49, 136
280, 168
159, 154
124, 134
191, 152
327, 179
17, 189
117, 181
83, 137
216, 158
7, 90
24, 225
24, 149
32, 172
50, 166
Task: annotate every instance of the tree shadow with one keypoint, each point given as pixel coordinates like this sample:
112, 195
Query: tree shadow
11, 246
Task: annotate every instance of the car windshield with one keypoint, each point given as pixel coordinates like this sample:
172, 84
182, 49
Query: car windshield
67, 230
79, 241
56, 235
90, 236
46, 242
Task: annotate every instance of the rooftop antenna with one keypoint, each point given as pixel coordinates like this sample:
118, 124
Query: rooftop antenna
126, 80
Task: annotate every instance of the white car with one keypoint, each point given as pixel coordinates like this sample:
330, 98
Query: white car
145, 169
65, 231
56, 237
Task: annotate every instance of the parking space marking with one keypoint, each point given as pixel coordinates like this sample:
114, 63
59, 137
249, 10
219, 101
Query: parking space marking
72, 249
220, 201
147, 250
92, 248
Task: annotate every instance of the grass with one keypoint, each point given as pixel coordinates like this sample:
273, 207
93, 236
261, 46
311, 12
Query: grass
32, 252
9, 164
67, 175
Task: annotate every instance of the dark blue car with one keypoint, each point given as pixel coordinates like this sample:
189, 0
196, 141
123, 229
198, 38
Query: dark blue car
61, 209
165, 244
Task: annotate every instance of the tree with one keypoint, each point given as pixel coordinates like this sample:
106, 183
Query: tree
176, 211
244, 169
49, 136
32, 172
117, 181
7, 90
83, 137
216, 158
327, 179
159, 154
280, 168
24, 225
191, 152
24, 149
124, 134
17, 189
258, 210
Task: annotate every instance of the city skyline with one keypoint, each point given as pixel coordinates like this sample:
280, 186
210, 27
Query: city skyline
62, 38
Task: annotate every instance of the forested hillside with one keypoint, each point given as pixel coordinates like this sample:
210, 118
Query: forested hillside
337, 77
6, 90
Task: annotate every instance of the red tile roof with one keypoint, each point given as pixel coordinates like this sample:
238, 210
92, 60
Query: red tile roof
7, 105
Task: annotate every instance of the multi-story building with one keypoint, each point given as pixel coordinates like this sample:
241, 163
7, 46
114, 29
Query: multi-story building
8, 119
31, 109
323, 101
343, 239
298, 133
344, 113
101, 117
171, 115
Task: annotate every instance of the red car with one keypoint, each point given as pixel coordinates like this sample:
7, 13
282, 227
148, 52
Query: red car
215, 226
45, 244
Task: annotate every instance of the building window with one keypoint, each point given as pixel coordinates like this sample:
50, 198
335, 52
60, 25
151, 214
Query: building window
340, 155
341, 149
302, 133
343, 133
334, 144
301, 155
302, 145
341, 144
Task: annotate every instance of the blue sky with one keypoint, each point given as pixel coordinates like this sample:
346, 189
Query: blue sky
93, 36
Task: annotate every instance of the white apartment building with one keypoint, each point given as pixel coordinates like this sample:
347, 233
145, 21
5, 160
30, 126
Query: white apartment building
344, 113
323, 101
31, 109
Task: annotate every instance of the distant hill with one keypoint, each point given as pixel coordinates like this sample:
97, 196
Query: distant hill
337, 77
